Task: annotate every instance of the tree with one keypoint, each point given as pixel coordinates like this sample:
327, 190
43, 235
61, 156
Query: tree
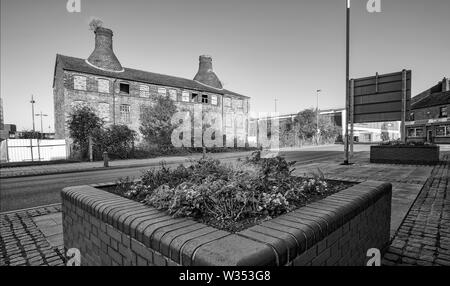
117, 140
305, 126
82, 123
156, 126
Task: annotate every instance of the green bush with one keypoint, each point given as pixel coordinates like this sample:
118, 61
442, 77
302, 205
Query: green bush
212, 191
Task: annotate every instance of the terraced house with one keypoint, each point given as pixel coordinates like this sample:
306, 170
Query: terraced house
117, 94
429, 120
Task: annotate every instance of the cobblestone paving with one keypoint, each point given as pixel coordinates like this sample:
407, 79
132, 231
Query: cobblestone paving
22, 243
424, 236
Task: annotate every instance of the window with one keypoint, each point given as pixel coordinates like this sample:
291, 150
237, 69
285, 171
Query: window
443, 111
227, 102
125, 113
185, 96
194, 97
205, 98
144, 91
214, 99
162, 91
237, 103
103, 85
79, 82
443, 131
103, 111
229, 120
415, 132
173, 94
125, 88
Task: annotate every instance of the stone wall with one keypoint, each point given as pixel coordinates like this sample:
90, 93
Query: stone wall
338, 230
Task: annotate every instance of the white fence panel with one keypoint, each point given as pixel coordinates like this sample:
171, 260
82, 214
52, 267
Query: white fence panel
19, 150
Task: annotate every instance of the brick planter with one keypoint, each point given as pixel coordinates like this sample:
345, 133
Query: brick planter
422, 155
338, 230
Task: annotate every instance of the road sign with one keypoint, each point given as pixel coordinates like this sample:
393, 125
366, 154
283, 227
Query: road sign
382, 98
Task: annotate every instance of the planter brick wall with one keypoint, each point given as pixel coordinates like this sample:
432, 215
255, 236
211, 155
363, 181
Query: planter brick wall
404, 154
338, 230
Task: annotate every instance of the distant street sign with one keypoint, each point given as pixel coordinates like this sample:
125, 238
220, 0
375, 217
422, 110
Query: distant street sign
382, 98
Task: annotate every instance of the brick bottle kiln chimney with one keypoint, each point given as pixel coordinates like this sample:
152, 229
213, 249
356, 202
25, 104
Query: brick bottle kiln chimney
103, 56
205, 73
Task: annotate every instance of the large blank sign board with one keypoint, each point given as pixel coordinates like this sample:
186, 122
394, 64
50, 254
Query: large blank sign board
381, 98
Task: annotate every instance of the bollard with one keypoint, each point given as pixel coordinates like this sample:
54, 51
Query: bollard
105, 159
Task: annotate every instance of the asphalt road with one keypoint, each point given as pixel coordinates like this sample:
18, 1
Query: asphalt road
26, 192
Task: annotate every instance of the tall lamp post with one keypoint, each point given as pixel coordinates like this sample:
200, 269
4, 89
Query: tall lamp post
347, 77
32, 111
41, 115
317, 116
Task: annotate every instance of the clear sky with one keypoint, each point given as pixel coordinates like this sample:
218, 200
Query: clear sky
284, 49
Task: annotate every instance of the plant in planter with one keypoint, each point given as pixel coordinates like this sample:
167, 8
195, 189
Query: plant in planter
228, 197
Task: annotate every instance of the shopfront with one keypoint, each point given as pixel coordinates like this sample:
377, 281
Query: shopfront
432, 131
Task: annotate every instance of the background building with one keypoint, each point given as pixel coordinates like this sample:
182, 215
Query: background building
429, 120
117, 94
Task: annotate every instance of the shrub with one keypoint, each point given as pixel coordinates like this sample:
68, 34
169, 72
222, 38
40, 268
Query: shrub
259, 188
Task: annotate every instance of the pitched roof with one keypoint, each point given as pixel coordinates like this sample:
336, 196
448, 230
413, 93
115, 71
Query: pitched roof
434, 99
80, 65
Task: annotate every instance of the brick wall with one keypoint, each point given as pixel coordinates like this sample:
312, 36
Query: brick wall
65, 95
404, 155
111, 230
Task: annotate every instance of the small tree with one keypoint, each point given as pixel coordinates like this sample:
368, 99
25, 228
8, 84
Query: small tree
82, 124
156, 126
117, 140
305, 124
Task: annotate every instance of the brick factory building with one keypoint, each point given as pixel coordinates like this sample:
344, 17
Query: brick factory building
429, 121
117, 94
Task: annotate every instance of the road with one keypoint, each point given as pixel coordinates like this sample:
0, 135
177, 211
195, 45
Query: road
26, 192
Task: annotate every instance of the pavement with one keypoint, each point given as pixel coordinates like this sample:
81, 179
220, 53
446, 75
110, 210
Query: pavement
26, 171
420, 218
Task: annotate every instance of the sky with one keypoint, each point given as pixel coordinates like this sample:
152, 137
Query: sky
267, 50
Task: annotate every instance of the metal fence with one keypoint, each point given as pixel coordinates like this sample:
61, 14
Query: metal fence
20, 150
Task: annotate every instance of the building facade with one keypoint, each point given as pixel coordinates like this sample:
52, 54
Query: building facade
428, 119
118, 94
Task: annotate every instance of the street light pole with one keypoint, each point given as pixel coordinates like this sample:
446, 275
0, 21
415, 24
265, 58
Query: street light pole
347, 77
32, 111
317, 116
276, 105
41, 115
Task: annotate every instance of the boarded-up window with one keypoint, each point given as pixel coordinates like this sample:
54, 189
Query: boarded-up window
103, 85
173, 94
227, 102
185, 96
144, 90
214, 99
237, 103
79, 82
103, 111
229, 120
125, 113
162, 91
